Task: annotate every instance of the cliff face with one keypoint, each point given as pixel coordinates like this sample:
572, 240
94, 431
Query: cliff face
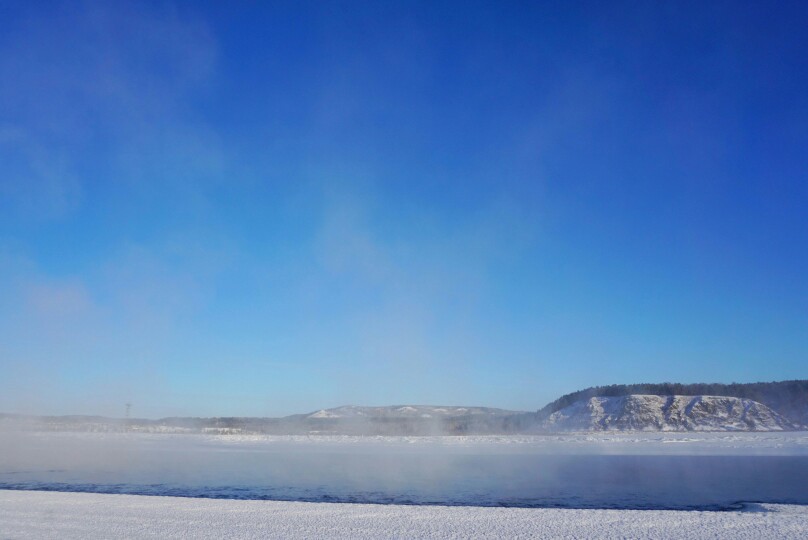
788, 398
666, 413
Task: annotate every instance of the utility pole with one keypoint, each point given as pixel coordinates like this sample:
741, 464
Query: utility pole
126, 422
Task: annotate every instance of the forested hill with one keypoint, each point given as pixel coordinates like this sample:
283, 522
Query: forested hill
789, 398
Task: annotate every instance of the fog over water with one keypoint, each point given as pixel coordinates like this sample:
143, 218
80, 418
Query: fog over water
580, 471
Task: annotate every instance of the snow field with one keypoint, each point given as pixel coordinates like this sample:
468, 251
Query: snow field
32, 514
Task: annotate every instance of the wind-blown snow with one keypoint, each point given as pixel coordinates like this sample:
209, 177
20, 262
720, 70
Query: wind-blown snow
666, 413
81, 515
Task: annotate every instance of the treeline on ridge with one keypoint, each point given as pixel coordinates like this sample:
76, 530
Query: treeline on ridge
789, 398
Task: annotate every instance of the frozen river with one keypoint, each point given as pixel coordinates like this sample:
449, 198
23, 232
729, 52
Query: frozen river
636, 471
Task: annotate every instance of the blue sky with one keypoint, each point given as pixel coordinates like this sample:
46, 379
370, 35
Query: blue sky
270, 208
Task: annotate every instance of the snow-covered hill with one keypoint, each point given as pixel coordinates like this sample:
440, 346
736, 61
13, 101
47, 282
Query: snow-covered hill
406, 411
666, 413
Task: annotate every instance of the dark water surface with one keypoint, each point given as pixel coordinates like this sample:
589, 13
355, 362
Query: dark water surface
482, 476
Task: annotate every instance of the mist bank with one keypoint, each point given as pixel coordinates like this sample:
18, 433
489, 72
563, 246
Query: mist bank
511, 423
583, 470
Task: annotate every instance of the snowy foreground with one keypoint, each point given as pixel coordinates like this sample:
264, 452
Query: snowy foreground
32, 514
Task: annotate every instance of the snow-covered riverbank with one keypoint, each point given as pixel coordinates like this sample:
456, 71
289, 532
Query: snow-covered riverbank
33, 514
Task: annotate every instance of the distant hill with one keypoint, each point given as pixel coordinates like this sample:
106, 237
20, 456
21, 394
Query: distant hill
666, 413
789, 398
404, 420
406, 411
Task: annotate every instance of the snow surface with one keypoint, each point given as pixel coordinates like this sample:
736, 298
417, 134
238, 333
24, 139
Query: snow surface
666, 413
324, 414
608, 442
714, 443
32, 514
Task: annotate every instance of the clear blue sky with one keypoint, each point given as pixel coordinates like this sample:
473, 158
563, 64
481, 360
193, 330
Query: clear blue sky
255, 208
